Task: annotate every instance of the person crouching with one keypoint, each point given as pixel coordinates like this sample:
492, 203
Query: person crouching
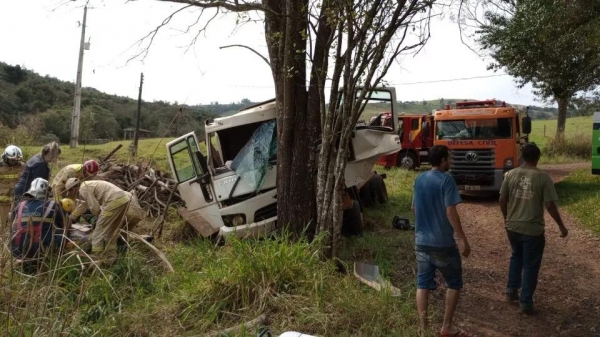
38, 224
115, 208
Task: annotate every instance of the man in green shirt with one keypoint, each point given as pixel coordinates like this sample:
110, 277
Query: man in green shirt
524, 193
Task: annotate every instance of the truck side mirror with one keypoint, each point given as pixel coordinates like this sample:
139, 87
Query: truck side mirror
202, 161
425, 129
526, 122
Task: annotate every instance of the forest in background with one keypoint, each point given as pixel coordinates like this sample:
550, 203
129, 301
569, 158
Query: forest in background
37, 109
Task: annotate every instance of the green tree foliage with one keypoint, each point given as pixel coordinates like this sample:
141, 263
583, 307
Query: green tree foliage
26, 97
551, 44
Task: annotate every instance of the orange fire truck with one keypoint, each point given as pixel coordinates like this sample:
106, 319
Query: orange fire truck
485, 139
416, 138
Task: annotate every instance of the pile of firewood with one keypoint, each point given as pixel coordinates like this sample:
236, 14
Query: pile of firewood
156, 192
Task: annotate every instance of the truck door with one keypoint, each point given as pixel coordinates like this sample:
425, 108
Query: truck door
190, 170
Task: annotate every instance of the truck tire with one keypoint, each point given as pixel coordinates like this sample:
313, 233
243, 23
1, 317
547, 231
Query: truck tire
352, 221
407, 160
365, 195
378, 189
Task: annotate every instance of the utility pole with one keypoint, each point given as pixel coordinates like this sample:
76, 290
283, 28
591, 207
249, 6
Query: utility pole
77, 108
137, 122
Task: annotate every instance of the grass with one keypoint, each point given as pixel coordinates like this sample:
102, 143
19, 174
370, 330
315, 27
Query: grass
574, 126
579, 194
213, 288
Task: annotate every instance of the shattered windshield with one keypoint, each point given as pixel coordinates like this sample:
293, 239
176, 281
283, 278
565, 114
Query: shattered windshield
475, 129
252, 162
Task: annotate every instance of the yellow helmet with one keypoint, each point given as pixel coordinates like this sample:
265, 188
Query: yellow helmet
68, 205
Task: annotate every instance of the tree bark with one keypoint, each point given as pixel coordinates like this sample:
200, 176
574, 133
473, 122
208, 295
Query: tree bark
563, 103
297, 126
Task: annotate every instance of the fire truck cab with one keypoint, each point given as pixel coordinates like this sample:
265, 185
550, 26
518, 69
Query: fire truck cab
485, 140
416, 137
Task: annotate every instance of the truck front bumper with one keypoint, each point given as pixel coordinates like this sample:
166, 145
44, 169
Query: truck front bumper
252, 230
480, 182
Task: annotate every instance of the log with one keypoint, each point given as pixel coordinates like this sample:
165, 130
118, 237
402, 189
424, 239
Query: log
112, 153
160, 254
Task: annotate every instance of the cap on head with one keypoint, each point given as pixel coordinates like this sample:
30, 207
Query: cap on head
71, 182
68, 205
38, 188
91, 167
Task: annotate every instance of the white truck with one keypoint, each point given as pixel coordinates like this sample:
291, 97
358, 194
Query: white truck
231, 190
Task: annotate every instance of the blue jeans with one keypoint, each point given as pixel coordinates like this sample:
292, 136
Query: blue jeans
525, 262
446, 260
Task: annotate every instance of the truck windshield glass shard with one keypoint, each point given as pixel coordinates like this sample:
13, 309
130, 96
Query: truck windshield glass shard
489, 128
183, 159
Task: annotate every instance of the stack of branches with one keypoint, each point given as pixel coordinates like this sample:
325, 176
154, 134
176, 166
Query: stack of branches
156, 192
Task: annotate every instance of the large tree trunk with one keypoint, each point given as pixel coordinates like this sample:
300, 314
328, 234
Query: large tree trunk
297, 127
563, 103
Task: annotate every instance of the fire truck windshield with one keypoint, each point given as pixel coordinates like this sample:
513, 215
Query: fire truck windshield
491, 128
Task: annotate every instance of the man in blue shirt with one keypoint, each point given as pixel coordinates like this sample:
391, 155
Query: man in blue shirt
436, 221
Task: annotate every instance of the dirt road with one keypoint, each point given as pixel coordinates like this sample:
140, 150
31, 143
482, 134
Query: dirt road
568, 293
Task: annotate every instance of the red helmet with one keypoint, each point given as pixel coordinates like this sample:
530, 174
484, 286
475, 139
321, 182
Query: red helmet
91, 167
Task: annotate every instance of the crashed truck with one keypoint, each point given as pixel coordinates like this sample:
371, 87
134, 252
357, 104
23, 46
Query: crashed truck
231, 190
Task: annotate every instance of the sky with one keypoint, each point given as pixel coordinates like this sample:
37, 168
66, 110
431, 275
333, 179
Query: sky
44, 37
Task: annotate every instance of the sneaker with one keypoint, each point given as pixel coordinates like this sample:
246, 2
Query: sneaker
527, 309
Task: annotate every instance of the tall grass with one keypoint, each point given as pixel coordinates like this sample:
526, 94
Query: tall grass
575, 146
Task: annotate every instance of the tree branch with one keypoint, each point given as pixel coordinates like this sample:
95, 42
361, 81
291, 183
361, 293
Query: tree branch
249, 48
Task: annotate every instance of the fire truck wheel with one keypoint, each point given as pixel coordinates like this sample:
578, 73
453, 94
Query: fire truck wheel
378, 189
407, 160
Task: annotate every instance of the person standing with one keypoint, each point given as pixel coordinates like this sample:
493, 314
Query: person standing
523, 195
36, 167
436, 222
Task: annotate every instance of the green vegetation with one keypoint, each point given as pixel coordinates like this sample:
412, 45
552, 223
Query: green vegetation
41, 108
218, 287
552, 45
575, 126
579, 195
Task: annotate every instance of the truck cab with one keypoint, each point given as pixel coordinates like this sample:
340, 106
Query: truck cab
230, 186
485, 140
416, 137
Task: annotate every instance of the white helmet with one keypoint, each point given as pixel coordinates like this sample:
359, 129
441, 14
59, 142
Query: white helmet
12, 152
38, 188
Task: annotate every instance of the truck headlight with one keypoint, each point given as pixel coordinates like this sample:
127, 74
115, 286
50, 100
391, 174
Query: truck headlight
234, 220
509, 163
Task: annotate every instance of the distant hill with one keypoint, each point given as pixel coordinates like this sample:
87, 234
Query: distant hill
42, 106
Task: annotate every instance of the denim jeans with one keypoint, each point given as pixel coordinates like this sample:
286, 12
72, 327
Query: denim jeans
525, 262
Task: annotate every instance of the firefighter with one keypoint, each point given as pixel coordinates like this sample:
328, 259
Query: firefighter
11, 168
38, 224
83, 171
36, 167
115, 208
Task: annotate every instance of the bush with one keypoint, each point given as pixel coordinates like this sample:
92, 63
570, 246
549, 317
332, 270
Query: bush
575, 146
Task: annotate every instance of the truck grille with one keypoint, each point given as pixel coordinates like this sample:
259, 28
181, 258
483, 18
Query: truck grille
473, 167
266, 212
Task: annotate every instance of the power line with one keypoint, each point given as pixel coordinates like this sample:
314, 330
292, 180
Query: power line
451, 79
390, 84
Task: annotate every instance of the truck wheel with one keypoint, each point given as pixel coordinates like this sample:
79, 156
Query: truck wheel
407, 160
378, 189
365, 195
352, 221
